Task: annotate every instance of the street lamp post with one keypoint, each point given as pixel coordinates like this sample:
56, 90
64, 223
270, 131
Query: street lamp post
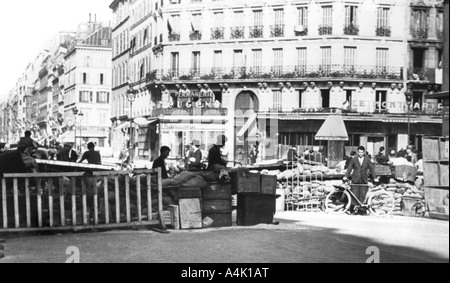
131, 96
409, 97
75, 113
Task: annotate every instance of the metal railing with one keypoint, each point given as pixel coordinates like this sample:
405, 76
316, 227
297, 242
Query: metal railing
256, 31
217, 33
419, 33
237, 32
195, 35
78, 201
281, 72
301, 32
383, 31
325, 30
351, 29
174, 37
277, 31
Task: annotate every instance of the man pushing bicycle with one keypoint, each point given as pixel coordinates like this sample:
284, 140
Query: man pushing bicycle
358, 169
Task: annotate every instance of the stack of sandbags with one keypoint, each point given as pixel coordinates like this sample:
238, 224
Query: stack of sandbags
402, 191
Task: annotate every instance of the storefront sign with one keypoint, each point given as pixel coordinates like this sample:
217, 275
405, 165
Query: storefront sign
395, 105
198, 104
189, 127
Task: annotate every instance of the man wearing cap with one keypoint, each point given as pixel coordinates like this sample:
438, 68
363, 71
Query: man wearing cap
92, 156
160, 162
67, 154
215, 160
195, 157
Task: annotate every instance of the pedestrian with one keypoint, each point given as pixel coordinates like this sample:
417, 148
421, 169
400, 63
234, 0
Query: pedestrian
358, 172
195, 157
292, 154
254, 154
306, 155
382, 158
215, 161
160, 162
410, 152
124, 155
28, 144
92, 156
349, 159
187, 155
67, 154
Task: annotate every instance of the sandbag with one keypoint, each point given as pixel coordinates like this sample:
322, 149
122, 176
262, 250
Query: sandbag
289, 174
196, 182
185, 176
209, 177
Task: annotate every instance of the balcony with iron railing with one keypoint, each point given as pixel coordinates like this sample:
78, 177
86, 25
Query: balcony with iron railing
256, 31
430, 75
174, 36
325, 30
217, 33
195, 35
301, 30
237, 32
383, 31
281, 72
277, 30
351, 29
419, 33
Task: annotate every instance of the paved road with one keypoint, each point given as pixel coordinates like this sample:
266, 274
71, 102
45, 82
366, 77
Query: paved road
300, 238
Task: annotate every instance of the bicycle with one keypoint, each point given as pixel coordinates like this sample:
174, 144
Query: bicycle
378, 201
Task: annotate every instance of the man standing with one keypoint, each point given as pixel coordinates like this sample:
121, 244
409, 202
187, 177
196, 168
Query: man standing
410, 152
358, 169
195, 157
92, 156
215, 160
160, 162
292, 154
381, 158
67, 154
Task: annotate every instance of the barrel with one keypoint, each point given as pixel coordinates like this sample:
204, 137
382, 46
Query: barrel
217, 204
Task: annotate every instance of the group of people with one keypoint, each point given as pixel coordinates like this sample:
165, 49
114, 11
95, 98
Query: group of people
316, 155
216, 159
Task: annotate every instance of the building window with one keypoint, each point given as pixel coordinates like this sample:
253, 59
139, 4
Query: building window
326, 59
175, 64
101, 79
102, 97
196, 23
440, 25
86, 96
196, 64
238, 28
277, 30
383, 22
217, 64
349, 58
327, 21
173, 26
277, 101
257, 30
302, 21
302, 60
278, 61
382, 57
84, 78
217, 32
419, 29
351, 22
257, 62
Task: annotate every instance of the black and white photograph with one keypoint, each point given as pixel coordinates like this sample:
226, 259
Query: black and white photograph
223, 138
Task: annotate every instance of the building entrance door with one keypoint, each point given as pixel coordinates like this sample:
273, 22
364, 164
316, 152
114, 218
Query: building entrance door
246, 128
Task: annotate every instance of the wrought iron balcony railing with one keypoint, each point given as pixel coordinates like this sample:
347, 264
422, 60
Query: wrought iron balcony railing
419, 33
217, 33
430, 75
256, 31
195, 35
277, 31
237, 32
383, 31
280, 72
174, 36
325, 30
351, 29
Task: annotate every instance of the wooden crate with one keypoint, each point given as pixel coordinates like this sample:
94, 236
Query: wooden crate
443, 180
184, 193
268, 184
190, 214
216, 205
172, 217
436, 200
216, 191
431, 174
245, 182
431, 149
254, 209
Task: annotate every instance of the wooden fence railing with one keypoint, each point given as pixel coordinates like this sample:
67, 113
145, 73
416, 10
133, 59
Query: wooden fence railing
79, 200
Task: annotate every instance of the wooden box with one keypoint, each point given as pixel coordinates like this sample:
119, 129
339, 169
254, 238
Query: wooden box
431, 174
430, 149
190, 214
268, 184
254, 209
443, 174
172, 217
216, 205
221, 219
216, 191
245, 182
436, 200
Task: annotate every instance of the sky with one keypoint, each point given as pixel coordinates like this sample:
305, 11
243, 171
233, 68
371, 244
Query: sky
27, 25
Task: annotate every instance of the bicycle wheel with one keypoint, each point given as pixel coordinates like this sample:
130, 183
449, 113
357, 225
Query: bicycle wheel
337, 202
381, 203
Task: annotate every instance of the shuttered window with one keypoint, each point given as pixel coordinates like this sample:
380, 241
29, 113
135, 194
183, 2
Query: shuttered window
349, 56
302, 59
258, 18
383, 17
327, 15
326, 58
382, 58
351, 15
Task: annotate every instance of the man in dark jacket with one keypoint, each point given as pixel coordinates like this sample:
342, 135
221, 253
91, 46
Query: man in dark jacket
92, 156
358, 169
160, 162
215, 160
67, 154
195, 157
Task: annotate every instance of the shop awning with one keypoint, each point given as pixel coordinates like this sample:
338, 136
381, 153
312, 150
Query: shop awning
247, 125
333, 129
122, 126
67, 137
126, 125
